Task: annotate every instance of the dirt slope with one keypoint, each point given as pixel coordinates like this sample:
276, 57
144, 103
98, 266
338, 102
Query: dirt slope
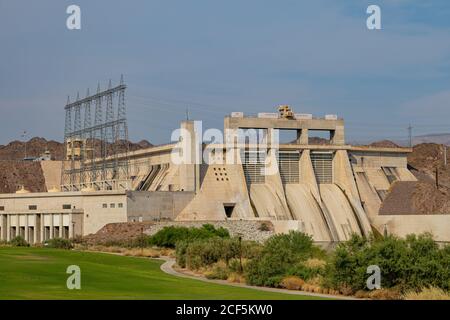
14, 174
422, 197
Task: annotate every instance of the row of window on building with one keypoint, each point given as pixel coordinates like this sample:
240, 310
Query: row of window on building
112, 205
35, 207
68, 206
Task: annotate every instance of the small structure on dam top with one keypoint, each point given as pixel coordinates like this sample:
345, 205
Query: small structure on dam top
323, 187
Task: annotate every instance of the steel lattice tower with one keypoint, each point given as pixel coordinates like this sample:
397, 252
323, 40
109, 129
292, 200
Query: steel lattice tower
94, 156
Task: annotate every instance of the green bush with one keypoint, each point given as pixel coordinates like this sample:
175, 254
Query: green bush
282, 255
304, 272
180, 253
19, 242
410, 263
219, 271
202, 253
59, 243
205, 252
169, 236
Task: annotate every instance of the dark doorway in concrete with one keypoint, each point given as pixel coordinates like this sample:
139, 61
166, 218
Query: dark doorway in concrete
56, 232
31, 234
66, 232
229, 208
47, 233
13, 232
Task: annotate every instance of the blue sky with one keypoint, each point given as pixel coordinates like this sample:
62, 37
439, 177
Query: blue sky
215, 57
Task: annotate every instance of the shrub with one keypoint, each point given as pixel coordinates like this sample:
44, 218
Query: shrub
362, 294
142, 252
385, 294
410, 263
431, 293
236, 278
59, 243
281, 256
306, 272
235, 265
180, 253
201, 253
19, 242
218, 271
141, 241
169, 236
292, 283
315, 263
251, 249
205, 252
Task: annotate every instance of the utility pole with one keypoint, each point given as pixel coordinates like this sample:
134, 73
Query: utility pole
410, 135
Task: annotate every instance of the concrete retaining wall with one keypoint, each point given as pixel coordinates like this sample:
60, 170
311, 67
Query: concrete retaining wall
248, 229
402, 225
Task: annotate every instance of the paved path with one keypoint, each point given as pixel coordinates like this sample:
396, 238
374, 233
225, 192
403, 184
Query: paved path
167, 267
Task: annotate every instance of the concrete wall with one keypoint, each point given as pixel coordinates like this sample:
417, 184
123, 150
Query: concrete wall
52, 173
247, 229
150, 206
438, 225
379, 159
96, 216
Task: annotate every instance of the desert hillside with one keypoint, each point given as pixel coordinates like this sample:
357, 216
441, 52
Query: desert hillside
14, 172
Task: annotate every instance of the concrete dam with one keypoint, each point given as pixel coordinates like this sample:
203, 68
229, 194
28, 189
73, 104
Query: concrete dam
327, 189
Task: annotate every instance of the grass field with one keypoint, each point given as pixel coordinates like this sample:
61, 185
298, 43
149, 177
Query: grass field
39, 273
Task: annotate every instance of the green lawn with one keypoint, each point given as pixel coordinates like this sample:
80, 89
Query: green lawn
39, 273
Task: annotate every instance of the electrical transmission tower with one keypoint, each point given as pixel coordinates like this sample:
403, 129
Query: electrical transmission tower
410, 136
96, 152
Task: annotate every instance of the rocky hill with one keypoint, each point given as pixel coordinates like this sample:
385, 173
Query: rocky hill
426, 162
18, 150
14, 172
438, 138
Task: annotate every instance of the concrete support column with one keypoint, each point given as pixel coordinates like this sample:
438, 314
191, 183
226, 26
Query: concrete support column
61, 225
337, 136
303, 136
26, 228
42, 228
8, 227
51, 226
190, 157
271, 137
3, 227
36, 226
71, 231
